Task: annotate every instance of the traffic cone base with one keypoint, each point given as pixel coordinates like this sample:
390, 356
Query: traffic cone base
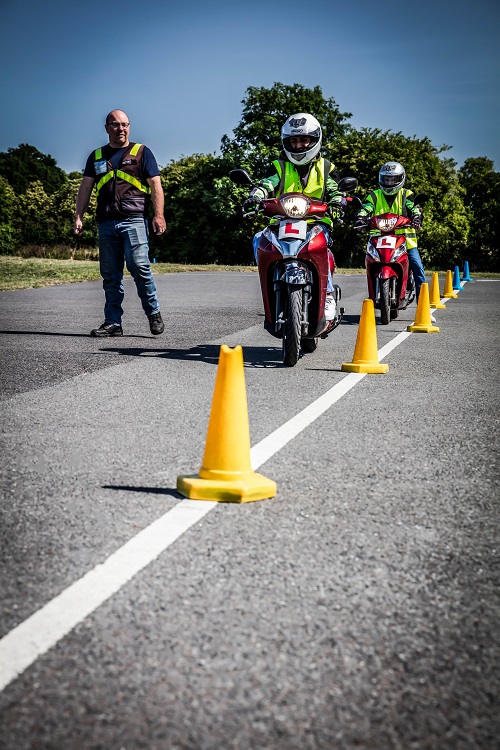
372, 367
434, 296
226, 474
423, 322
365, 357
448, 287
247, 490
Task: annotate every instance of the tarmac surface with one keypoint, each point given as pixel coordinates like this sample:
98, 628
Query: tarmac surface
359, 608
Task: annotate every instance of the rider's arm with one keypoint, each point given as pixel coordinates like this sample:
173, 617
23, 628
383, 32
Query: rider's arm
266, 185
333, 194
412, 209
367, 207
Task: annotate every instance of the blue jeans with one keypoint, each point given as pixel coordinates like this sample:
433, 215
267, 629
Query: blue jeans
125, 240
329, 283
417, 267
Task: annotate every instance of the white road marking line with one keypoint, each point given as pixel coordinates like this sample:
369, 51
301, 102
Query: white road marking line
32, 638
40, 632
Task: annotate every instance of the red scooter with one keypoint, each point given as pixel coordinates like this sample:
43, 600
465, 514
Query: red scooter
390, 280
293, 260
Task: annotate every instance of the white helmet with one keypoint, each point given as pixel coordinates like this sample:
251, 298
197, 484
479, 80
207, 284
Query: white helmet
299, 125
391, 177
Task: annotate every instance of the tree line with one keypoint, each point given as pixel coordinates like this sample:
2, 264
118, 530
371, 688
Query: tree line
203, 207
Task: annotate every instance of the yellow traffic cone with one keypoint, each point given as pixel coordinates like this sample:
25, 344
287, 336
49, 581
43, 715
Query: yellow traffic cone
435, 297
366, 351
226, 474
423, 322
448, 287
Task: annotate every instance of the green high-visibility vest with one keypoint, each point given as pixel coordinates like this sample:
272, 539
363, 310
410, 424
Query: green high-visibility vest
316, 182
381, 206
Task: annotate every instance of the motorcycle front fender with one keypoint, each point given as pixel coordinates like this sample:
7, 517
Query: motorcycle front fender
386, 272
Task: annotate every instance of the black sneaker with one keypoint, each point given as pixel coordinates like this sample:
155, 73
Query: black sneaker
107, 329
156, 325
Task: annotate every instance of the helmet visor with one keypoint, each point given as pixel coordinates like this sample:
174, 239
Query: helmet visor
390, 180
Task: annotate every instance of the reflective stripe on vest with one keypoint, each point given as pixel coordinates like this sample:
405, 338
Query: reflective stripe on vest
122, 175
381, 206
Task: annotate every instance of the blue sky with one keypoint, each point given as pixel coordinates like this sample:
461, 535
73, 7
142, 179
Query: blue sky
180, 70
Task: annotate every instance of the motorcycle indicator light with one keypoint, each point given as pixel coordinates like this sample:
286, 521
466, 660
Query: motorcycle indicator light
370, 250
295, 206
386, 225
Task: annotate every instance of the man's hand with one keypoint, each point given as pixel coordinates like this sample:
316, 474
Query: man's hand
159, 224
416, 221
78, 225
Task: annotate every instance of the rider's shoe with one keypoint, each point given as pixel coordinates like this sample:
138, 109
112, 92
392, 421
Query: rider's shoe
107, 329
156, 325
330, 307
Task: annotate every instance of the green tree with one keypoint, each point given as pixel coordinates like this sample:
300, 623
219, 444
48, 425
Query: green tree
25, 164
33, 217
362, 152
257, 141
204, 222
8, 235
482, 197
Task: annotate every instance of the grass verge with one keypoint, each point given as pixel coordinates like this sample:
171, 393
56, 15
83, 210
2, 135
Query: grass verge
33, 273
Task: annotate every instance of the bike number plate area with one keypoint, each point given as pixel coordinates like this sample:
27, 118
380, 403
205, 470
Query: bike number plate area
386, 243
291, 229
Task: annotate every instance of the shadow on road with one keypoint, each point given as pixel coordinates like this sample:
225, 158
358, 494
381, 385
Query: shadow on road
71, 335
253, 356
152, 490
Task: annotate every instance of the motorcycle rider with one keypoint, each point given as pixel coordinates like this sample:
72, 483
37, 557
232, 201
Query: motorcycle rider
301, 169
392, 198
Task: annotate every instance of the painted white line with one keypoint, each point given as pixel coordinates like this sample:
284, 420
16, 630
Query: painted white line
40, 632
45, 628
274, 442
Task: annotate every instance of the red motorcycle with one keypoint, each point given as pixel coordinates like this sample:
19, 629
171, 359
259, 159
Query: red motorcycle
390, 280
293, 260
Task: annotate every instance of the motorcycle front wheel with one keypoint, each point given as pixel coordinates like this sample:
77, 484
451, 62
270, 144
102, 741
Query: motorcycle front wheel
385, 301
292, 326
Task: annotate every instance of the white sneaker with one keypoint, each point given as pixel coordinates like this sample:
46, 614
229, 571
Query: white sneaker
330, 307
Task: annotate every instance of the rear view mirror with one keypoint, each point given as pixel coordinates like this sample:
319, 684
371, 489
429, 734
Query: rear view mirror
240, 177
348, 184
420, 199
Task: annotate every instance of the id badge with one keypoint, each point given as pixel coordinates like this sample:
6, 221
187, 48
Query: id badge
101, 166
291, 229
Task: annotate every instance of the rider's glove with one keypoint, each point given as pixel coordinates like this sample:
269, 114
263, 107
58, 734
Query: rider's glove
250, 204
416, 221
336, 211
360, 223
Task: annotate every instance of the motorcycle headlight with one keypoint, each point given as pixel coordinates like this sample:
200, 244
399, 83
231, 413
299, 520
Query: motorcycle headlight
385, 225
296, 207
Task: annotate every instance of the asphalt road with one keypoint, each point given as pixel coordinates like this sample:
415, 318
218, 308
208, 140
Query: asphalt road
359, 608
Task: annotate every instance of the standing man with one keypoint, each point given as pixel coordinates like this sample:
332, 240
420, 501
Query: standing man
126, 177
